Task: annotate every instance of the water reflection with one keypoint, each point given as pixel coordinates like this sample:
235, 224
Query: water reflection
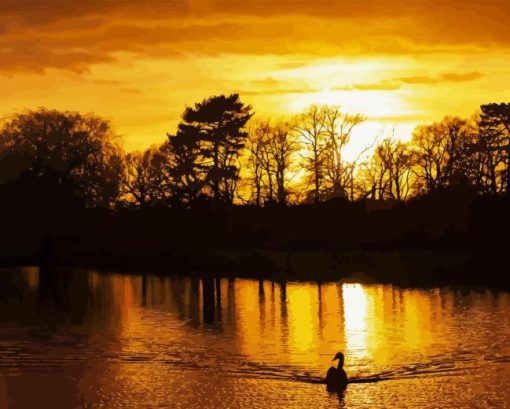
87, 338
354, 298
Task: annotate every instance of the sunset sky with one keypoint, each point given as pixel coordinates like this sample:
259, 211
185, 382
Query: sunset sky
140, 63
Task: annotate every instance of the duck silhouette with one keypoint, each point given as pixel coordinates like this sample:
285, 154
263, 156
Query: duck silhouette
336, 378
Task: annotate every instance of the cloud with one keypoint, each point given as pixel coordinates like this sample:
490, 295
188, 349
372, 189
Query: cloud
402, 118
376, 86
38, 60
445, 77
278, 91
106, 82
75, 35
418, 80
455, 77
273, 86
268, 82
293, 64
396, 83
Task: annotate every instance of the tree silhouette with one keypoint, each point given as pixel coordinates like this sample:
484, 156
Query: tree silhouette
282, 146
486, 160
338, 128
203, 159
439, 152
185, 167
218, 125
312, 131
143, 178
260, 163
66, 145
254, 166
494, 140
270, 157
392, 173
453, 176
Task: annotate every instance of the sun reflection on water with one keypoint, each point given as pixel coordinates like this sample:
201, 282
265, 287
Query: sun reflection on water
237, 343
355, 307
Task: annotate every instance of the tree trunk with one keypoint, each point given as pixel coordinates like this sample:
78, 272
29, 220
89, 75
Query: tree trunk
216, 181
317, 176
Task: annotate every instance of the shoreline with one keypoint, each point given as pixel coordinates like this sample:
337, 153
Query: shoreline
406, 268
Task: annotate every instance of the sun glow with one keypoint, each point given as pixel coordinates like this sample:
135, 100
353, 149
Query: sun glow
140, 69
355, 319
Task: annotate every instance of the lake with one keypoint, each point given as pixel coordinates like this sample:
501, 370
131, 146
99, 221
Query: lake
73, 339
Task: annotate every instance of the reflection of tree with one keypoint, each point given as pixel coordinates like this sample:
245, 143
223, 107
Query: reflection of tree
283, 301
194, 301
231, 300
262, 304
144, 289
319, 300
64, 296
208, 299
178, 288
18, 300
217, 289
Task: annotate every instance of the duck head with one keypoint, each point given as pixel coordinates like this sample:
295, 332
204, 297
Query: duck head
340, 357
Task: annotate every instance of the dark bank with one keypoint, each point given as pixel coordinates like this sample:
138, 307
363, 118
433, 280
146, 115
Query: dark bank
328, 241
218, 197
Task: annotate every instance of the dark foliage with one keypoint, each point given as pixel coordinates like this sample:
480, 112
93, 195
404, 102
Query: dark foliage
69, 195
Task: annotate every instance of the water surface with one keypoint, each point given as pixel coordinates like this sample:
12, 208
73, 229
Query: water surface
86, 339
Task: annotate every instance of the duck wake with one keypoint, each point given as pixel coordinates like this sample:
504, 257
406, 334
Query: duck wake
438, 367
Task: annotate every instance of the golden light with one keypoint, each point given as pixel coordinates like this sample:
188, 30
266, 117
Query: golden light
355, 319
302, 320
140, 67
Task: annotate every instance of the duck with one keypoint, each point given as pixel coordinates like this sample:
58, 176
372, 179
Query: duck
336, 378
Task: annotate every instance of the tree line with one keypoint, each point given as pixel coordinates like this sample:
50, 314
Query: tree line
221, 154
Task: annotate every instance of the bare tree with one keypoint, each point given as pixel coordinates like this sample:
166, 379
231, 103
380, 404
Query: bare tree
143, 179
261, 162
395, 161
338, 173
282, 148
439, 149
254, 150
374, 174
271, 150
312, 131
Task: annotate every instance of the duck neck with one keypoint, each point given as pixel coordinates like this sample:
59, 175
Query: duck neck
340, 364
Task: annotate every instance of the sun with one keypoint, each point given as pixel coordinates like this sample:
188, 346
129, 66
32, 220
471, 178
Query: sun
380, 109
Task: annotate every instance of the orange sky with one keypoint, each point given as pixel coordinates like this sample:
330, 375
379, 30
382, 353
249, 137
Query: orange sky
140, 63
